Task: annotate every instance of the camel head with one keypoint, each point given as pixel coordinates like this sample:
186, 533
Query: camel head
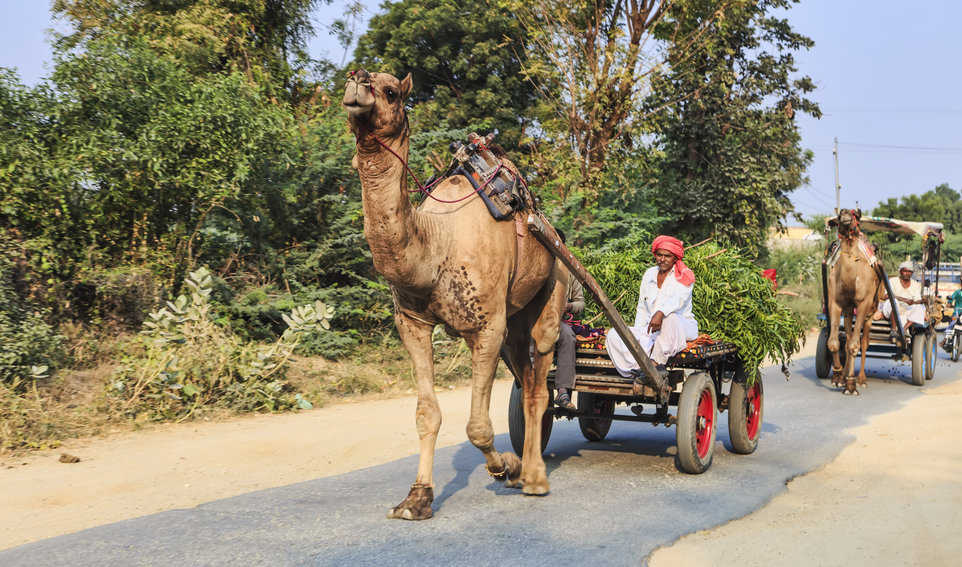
848, 222
375, 103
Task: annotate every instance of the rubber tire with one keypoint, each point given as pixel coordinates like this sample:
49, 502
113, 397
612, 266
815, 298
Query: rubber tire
738, 406
823, 358
595, 428
933, 350
516, 420
686, 431
918, 359
956, 346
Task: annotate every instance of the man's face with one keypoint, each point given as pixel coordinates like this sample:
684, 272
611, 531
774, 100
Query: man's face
664, 259
905, 274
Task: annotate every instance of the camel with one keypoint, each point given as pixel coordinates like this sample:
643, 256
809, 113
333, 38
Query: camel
488, 281
853, 290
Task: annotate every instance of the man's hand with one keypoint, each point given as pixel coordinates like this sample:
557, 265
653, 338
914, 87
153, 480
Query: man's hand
655, 324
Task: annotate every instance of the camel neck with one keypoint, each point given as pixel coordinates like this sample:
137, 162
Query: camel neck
389, 218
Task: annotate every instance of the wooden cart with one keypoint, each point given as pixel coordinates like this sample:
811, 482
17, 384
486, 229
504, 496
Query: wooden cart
704, 380
701, 382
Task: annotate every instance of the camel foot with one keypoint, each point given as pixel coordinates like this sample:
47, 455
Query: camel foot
850, 389
862, 383
417, 505
511, 473
536, 488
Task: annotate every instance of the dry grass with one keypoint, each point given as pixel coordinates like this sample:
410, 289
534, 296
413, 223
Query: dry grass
73, 403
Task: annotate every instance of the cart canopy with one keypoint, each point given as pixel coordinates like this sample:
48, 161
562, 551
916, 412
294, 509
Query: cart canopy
881, 224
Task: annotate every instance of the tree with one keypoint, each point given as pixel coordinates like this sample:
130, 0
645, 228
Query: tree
465, 59
941, 204
723, 112
590, 69
264, 39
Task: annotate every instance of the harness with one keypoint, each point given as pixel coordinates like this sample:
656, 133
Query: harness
502, 189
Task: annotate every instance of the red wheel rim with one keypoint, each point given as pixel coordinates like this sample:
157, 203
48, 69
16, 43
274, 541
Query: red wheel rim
706, 423
754, 410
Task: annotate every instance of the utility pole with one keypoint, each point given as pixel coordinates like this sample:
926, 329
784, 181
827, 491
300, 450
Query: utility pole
838, 188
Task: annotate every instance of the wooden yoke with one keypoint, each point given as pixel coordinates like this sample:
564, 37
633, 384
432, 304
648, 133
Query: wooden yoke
545, 233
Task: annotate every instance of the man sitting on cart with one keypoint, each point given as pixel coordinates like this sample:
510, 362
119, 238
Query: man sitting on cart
908, 295
567, 344
663, 320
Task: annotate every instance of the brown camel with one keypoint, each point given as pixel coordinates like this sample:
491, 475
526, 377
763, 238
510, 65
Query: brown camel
487, 281
853, 290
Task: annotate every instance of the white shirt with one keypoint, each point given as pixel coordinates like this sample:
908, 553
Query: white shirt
914, 291
672, 297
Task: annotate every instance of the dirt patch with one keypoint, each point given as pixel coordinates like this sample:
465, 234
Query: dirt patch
892, 497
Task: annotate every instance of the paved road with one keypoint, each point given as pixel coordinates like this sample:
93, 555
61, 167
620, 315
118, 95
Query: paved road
611, 503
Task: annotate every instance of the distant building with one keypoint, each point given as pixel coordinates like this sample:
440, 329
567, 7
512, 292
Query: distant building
793, 237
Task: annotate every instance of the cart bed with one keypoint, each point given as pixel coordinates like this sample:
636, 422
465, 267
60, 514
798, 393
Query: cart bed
594, 371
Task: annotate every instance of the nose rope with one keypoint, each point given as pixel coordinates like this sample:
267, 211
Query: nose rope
350, 75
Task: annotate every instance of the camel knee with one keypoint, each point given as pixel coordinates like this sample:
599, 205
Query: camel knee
481, 433
832, 344
545, 335
428, 418
853, 347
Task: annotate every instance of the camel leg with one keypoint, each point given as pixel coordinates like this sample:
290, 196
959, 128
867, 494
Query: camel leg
537, 324
416, 337
485, 347
834, 319
866, 331
544, 334
854, 325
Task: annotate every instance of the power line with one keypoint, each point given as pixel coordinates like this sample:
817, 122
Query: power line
894, 111
899, 147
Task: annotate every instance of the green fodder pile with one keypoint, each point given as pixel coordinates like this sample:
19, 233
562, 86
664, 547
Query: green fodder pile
731, 300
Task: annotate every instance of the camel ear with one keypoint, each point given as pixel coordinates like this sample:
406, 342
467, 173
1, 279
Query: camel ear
406, 84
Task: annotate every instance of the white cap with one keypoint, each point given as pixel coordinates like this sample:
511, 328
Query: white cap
907, 265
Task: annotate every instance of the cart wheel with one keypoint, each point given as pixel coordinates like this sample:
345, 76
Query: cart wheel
745, 415
956, 346
933, 348
516, 419
595, 428
823, 358
918, 359
697, 418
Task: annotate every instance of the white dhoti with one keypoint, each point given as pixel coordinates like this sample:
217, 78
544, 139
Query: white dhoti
910, 314
660, 346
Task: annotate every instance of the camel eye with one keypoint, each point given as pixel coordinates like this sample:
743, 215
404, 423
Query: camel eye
391, 94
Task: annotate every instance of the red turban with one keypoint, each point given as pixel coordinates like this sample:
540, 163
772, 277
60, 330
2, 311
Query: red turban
682, 272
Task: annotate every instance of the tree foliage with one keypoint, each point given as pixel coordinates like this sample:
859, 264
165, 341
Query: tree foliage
465, 60
723, 111
263, 39
589, 68
941, 204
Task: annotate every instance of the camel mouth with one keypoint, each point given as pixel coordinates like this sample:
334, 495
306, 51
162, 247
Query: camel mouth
355, 110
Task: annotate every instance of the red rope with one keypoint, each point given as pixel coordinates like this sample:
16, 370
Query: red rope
426, 190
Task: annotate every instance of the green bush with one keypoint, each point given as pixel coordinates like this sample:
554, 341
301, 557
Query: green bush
30, 348
190, 361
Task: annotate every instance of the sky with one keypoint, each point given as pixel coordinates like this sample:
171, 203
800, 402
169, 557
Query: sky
889, 78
